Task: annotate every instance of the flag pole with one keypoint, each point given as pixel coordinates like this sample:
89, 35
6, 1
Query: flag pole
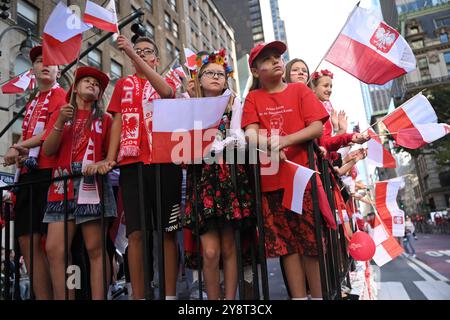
288, 161
401, 106
331, 46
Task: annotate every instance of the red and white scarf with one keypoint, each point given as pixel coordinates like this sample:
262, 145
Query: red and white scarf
88, 192
42, 119
136, 104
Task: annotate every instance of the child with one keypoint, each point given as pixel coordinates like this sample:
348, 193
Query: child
79, 137
221, 209
322, 85
49, 99
287, 234
131, 146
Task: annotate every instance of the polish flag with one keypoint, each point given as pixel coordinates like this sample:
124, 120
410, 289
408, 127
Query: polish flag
191, 59
421, 134
102, 18
377, 154
370, 50
62, 36
387, 251
415, 111
20, 84
176, 74
386, 203
295, 179
378, 231
184, 129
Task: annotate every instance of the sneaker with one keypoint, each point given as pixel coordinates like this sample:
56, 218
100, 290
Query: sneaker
414, 255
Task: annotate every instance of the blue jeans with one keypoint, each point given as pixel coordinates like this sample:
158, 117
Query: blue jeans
407, 244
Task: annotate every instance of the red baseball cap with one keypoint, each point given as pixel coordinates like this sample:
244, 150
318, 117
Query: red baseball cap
35, 52
254, 53
83, 72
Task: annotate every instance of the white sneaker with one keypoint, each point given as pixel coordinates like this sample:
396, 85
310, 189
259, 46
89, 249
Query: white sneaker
414, 255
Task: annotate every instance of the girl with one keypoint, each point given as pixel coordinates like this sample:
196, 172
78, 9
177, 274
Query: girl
221, 209
78, 144
287, 234
322, 86
38, 166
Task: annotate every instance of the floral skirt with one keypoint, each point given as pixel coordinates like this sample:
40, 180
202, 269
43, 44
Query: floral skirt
287, 232
220, 202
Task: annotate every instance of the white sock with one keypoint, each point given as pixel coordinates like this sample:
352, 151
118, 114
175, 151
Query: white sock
171, 297
305, 298
316, 298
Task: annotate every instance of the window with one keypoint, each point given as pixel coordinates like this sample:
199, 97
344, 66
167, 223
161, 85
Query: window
175, 29
425, 74
95, 59
447, 61
442, 22
414, 30
423, 63
150, 30
444, 37
258, 37
149, 5
173, 5
177, 53
27, 16
116, 71
167, 21
170, 49
417, 44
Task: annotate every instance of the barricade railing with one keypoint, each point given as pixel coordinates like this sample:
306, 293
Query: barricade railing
334, 261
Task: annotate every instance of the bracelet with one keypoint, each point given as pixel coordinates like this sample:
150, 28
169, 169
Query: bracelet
57, 129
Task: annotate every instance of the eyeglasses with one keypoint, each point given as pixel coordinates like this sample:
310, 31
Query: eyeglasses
147, 52
212, 74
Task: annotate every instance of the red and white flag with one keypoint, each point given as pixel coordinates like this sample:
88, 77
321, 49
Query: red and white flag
386, 203
421, 134
20, 84
191, 59
62, 36
176, 74
184, 129
102, 18
378, 231
377, 154
415, 111
387, 251
371, 50
295, 179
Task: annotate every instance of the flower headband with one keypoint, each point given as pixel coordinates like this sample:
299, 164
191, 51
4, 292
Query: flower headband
218, 57
316, 75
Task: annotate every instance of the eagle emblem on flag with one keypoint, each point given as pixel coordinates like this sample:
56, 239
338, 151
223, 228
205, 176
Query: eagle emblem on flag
384, 37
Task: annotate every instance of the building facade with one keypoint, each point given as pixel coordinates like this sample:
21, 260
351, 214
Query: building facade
172, 24
245, 17
279, 29
426, 27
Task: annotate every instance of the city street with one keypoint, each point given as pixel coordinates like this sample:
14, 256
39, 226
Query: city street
425, 277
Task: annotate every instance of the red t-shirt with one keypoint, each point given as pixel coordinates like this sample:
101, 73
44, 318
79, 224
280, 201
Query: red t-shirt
56, 101
115, 106
289, 111
81, 133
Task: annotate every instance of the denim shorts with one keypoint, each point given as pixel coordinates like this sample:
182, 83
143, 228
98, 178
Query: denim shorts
110, 209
